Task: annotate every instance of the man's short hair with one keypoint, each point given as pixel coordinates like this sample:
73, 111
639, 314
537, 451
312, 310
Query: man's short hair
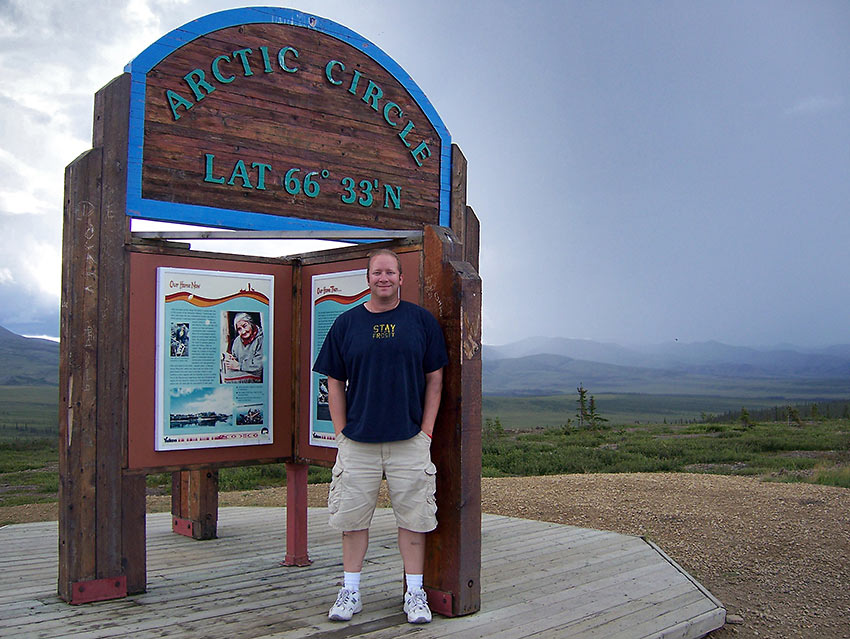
383, 251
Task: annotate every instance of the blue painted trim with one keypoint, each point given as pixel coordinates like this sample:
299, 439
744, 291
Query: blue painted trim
230, 218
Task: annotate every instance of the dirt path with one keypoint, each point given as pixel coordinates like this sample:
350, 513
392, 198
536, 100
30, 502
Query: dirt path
776, 555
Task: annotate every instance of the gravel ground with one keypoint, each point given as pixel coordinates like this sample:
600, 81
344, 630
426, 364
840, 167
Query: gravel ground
776, 555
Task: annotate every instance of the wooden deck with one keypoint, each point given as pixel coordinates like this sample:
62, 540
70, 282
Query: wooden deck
538, 580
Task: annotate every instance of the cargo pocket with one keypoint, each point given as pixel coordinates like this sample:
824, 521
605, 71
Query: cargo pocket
335, 492
431, 488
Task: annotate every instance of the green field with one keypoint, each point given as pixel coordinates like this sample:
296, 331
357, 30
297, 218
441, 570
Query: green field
525, 436
816, 452
554, 410
28, 411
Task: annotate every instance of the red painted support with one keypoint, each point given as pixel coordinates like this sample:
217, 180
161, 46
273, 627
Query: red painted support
296, 516
98, 590
183, 527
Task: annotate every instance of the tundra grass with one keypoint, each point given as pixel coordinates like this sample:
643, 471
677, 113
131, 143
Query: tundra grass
521, 436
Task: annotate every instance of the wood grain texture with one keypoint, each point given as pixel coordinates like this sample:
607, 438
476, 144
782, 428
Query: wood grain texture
287, 120
112, 106
453, 551
538, 580
78, 374
194, 497
458, 199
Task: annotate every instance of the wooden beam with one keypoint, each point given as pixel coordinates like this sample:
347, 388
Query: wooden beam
99, 525
453, 552
78, 375
472, 238
458, 199
111, 117
133, 533
194, 503
296, 516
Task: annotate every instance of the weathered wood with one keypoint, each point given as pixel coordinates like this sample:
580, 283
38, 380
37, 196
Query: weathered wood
111, 116
94, 370
539, 580
458, 198
288, 120
452, 292
194, 498
133, 537
472, 239
78, 374
296, 516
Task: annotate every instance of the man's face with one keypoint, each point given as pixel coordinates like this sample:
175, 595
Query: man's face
383, 278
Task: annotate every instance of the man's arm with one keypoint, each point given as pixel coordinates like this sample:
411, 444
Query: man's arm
433, 393
336, 403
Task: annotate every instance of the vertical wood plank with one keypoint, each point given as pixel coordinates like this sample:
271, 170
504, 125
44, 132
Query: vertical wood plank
453, 551
133, 538
67, 530
203, 502
472, 239
458, 199
296, 516
194, 501
78, 420
298, 348
111, 118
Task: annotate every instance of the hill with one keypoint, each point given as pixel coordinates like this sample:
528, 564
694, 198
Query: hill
543, 366
549, 366
27, 361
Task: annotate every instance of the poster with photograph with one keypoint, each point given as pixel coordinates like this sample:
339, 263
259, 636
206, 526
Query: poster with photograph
214, 359
332, 295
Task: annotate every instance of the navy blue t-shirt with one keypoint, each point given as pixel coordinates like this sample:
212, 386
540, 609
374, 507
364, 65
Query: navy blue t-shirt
384, 358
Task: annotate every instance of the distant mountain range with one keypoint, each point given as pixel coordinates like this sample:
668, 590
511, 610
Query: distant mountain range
27, 361
541, 366
550, 366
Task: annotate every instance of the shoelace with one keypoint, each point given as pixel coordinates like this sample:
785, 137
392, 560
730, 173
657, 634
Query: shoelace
418, 600
343, 597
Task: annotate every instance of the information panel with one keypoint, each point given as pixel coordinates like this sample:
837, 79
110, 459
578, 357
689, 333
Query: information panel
332, 295
214, 366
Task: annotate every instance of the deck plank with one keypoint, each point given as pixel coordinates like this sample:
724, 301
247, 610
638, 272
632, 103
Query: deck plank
538, 580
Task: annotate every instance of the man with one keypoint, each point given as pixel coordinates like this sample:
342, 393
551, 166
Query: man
384, 361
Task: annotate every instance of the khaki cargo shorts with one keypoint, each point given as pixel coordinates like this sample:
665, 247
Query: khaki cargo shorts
357, 474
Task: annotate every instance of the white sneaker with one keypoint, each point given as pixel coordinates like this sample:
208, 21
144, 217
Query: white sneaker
416, 606
347, 604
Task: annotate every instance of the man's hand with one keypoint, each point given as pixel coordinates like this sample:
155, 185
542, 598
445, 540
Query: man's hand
336, 403
433, 393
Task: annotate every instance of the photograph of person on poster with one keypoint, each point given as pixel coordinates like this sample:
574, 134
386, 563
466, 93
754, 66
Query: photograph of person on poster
243, 361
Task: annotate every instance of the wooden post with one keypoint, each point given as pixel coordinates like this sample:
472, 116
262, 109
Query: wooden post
452, 292
99, 556
194, 503
296, 516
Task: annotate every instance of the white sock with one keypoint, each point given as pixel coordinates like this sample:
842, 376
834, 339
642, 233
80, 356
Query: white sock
351, 581
414, 582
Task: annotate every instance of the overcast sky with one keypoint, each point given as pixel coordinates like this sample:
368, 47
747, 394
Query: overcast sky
643, 171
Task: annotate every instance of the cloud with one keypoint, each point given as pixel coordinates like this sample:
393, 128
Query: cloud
30, 273
814, 105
